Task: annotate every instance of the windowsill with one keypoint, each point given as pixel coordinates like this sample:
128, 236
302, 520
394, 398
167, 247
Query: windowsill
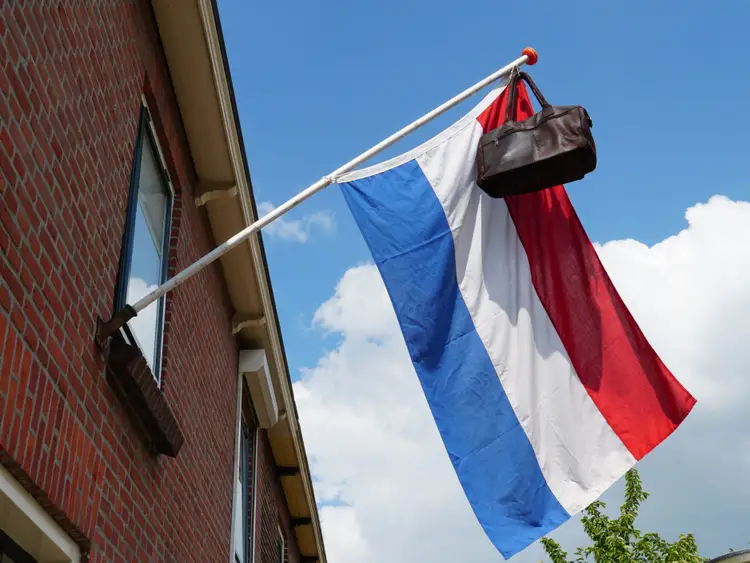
132, 379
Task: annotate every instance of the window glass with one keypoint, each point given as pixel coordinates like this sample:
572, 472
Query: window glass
11, 552
146, 242
243, 505
147, 262
239, 520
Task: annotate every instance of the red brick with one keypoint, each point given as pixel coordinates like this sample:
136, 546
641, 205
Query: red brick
19, 165
32, 315
3, 328
26, 279
35, 247
69, 112
11, 279
6, 141
4, 299
31, 337
7, 168
7, 436
8, 349
28, 133
20, 20
11, 49
14, 258
17, 318
20, 93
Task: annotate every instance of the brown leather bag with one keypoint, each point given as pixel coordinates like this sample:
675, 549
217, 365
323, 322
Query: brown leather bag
552, 147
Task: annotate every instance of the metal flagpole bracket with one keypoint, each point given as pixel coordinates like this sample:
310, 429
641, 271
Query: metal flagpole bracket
106, 329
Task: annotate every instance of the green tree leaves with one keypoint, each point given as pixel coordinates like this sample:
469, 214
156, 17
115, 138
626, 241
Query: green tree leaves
619, 541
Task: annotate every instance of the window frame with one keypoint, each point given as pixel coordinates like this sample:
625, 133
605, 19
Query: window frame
253, 510
245, 470
146, 134
246, 452
283, 550
10, 548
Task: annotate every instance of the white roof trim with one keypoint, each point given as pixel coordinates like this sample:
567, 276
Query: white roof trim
230, 128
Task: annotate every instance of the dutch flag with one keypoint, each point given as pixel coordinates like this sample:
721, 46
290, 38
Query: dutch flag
543, 388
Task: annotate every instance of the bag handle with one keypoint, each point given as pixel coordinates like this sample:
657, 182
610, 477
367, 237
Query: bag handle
510, 109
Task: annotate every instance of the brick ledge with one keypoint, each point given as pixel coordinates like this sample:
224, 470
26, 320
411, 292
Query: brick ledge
132, 380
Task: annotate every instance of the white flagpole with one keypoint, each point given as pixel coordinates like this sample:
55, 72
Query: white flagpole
108, 328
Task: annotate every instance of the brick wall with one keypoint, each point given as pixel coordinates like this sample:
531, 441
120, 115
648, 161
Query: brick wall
272, 511
71, 81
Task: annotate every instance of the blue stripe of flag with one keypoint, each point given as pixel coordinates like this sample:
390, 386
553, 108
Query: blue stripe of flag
407, 232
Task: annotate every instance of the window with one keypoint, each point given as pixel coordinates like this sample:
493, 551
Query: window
143, 262
241, 504
243, 527
245, 477
282, 551
11, 552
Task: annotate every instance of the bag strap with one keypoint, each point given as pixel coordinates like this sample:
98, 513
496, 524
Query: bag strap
510, 106
510, 109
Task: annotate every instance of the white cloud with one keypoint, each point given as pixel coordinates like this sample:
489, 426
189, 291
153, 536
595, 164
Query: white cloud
342, 521
297, 230
374, 444
691, 295
375, 450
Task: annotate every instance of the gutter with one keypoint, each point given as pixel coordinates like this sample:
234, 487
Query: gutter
250, 211
253, 206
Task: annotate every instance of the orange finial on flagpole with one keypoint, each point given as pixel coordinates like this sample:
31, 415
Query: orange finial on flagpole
531, 54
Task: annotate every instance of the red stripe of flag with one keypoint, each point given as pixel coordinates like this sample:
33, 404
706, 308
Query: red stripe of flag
637, 395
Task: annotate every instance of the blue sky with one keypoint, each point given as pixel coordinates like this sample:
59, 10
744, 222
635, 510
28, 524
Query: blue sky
317, 83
